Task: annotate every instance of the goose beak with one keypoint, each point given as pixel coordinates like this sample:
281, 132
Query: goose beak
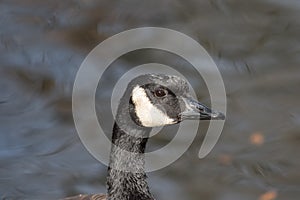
195, 110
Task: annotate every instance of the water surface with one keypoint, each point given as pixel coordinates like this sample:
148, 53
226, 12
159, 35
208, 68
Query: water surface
255, 45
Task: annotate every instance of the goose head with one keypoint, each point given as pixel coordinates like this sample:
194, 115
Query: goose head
160, 100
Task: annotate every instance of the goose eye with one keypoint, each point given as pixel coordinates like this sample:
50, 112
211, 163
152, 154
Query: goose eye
160, 92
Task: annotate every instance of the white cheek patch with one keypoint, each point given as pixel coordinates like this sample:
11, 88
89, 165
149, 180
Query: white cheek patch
148, 114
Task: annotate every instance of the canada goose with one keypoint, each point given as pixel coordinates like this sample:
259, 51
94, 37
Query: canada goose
150, 100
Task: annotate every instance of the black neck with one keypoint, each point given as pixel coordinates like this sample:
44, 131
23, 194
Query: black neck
126, 177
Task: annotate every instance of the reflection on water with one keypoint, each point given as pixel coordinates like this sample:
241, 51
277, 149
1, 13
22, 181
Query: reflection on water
255, 45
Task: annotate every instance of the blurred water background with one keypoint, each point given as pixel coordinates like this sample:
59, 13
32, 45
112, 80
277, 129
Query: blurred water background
255, 44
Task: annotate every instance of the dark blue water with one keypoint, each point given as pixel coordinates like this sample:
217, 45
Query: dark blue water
255, 45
